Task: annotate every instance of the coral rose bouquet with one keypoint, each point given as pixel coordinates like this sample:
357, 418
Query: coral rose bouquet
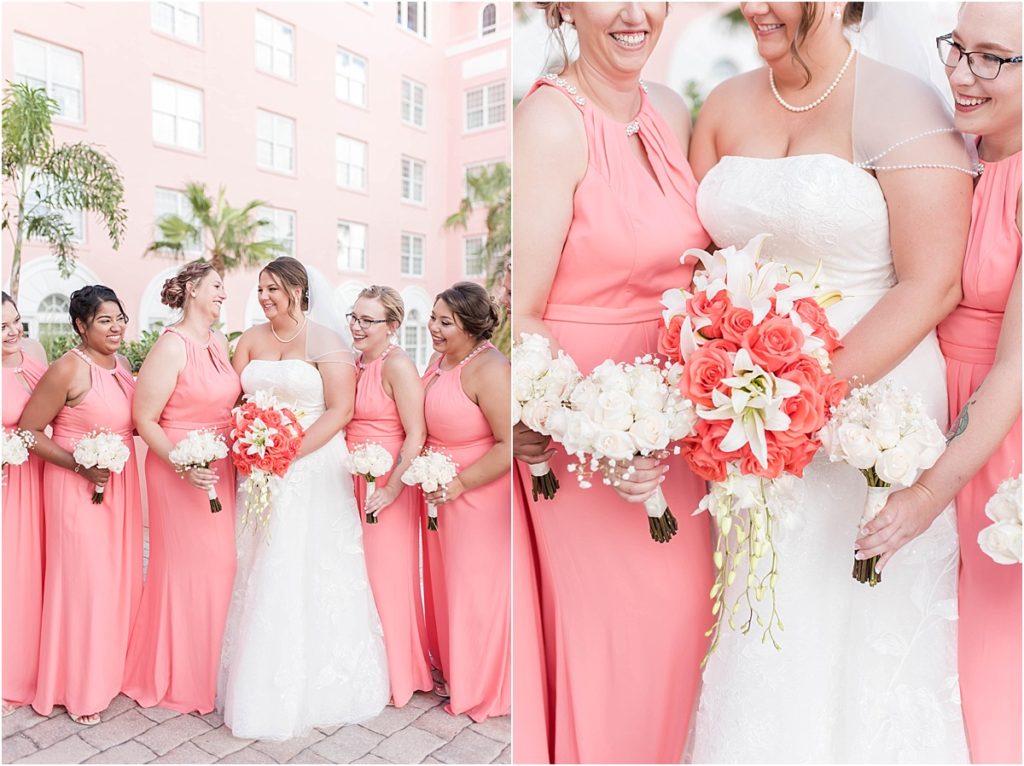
884, 432
432, 469
621, 411
1001, 541
755, 347
101, 449
200, 449
266, 438
371, 461
541, 384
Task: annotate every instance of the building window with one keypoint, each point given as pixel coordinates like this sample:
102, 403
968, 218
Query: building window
52, 316
177, 18
485, 106
275, 46
489, 19
36, 205
473, 249
351, 246
412, 255
281, 227
275, 141
412, 180
413, 16
173, 202
413, 100
416, 338
177, 115
350, 77
350, 170
57, 69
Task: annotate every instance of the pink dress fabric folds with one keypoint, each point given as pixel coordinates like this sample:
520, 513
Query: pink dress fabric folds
93, 579
622, 618
989, 640
392, 544
23, 547
174, 653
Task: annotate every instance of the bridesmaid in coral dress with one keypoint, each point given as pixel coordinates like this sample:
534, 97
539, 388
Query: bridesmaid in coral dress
24, 363
467, 566
981, 341
185, 384
604, 202
389, 411
93, 578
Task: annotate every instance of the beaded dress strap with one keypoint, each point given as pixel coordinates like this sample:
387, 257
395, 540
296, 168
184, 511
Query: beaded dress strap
872, 162
572, 92
85, 358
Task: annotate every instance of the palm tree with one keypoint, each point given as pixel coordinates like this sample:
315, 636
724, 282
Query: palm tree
231, 234
48, 180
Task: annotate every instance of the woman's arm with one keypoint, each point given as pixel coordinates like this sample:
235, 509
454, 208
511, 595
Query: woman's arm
985, 420
154, 386
339, 400
243, 350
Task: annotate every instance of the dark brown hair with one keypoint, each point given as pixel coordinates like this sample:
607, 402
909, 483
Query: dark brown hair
175, 288
474, 308
290, 273
394, 306
86, 301
9, 299
810, 17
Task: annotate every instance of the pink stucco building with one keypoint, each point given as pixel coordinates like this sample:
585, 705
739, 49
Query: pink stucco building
356, 122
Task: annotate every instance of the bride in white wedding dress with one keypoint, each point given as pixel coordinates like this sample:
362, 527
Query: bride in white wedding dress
857, 170
303, 645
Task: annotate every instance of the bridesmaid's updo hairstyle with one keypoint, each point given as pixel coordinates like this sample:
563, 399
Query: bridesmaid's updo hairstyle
290, 274
177, 287
475, 309
810, 16
86, 301
394, 306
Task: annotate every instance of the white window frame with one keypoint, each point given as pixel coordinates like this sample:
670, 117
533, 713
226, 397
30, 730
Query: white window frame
344, 170
489, 28
181, 208
491, 96
410, 90
74, 216
420, 26
415, 338
281, 227
278, 49
273, 133
350, 256
475, 243
414, 180
178, 90
55, 89
344, 84
182, 12
409, 259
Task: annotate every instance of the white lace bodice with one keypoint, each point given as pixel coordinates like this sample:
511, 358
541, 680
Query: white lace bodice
293, 381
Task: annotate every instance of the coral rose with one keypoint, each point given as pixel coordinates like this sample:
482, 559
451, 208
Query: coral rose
815, 316
703, 373
668, 338
774, 343
712, 309
735, 324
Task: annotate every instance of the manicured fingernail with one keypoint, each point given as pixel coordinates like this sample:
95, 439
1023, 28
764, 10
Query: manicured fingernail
664, 469
661, 480
859, 556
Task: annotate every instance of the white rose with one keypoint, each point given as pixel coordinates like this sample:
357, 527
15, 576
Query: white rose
885, 425
561, 378
558, 422
535, 414
584, 396
522, 389
681, 420
896, 466
856, 445
1002, 542
649, 431
614, 444
530, 363
517, 411
1004, 505
927, 443
579, 434
614, 410
610, 377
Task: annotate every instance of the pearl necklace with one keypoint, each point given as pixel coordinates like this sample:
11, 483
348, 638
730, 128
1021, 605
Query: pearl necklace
296, 335
817, 101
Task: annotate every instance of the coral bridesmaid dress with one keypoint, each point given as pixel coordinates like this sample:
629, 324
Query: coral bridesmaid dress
469, 557
623, 617
392, 545
174, 652
23, 559
93, 578
989, 651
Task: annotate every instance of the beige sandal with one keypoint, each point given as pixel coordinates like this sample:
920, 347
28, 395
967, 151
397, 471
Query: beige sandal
91, 719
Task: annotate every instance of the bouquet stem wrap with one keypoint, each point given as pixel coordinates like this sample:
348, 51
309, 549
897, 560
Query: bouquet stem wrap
864, 570
215, 504
663, 524
431, 517
371, 487
545, 483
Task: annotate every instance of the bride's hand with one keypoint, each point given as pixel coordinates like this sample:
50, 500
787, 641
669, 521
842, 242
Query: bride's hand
383, 497
638, 485
906, 514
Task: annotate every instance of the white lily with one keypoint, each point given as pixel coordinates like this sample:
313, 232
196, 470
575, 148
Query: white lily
811, 342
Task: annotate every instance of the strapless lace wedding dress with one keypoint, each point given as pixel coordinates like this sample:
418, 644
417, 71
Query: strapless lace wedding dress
865, 675
303, 645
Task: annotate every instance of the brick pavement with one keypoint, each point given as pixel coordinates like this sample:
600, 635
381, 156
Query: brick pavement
420, 732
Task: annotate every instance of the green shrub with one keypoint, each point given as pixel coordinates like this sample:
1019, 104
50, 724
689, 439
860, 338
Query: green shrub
135, 351
57, 345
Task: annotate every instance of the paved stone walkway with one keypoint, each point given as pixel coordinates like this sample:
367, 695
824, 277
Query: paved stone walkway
420, 732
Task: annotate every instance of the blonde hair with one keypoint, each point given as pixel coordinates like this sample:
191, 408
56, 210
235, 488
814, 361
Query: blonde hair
394, 306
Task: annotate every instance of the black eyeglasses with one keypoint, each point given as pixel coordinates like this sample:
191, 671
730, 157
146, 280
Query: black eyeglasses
364, 324
987, 66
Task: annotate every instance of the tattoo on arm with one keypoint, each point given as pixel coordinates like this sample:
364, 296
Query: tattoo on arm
961, 422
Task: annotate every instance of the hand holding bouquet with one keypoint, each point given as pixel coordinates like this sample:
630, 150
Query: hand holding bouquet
432, 470
884, 432
199, 449
371, 461
541, 384
101, 449
16, 444
1001, 541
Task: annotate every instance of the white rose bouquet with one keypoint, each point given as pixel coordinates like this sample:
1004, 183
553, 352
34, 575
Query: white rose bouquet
16, 444
621, 411
432, 469
541, 384
1001, 541
101, 449
371, 461
199, 449
884, 432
